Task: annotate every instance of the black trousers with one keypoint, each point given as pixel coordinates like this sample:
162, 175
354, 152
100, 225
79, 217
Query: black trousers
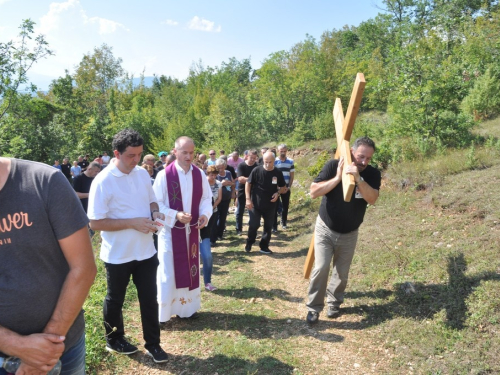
144, 277
240, 211
254, 224
220, 224
285, 200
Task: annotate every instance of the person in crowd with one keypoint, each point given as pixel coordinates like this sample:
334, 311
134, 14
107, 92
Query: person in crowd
222, 153
225, 177
185, 199
234, 160
46, 269
105, 158
150, 160
286, 166
57, 165
159, 165
163, 157
263, 150
99, 160
150, 170
82, 183
228, 167
262, 190
336, 231
212, 159
83, 162
205, 246
76, 170
66, 170
122, 205
244, 170
170, 159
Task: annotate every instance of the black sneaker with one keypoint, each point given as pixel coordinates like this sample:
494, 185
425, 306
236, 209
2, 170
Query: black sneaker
239, 232
266, 251
157, 353
121, 346
248, 247
312, 317
333, 312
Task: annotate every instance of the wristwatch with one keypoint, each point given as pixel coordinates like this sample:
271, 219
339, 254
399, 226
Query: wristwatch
361, 179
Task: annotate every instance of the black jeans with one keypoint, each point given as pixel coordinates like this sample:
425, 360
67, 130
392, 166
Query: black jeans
220, 224
285, 200
144, 277
254, 224
240, 211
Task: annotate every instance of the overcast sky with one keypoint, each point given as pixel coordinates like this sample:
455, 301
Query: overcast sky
166, 37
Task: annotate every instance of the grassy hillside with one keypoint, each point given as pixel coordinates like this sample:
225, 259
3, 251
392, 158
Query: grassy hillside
422, 296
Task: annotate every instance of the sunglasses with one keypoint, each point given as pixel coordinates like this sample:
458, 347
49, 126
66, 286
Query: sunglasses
211, 154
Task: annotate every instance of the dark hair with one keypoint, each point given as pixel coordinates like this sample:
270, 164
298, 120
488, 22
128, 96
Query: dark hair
363, 141
252, 151
126, 138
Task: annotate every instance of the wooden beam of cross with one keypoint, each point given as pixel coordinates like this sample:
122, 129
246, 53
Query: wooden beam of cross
343, 131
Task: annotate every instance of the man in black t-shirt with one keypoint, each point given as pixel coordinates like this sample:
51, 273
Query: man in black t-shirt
336, 230
66, 169
243, 171
83, 162
82, 183
262, 189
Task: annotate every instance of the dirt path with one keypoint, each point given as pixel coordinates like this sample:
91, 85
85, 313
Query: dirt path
342, 346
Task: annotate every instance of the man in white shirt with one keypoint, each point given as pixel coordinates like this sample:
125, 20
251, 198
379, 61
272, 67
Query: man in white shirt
122, 206
105, 159
185, 198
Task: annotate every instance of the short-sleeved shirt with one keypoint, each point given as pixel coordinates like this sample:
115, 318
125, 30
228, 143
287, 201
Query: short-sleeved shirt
226, 190
117, 195
66, 170
286, 167
338, 215
37, 209
264, 185
84, 164
234, 163
76, 170
82, 184
215, 191
244, 170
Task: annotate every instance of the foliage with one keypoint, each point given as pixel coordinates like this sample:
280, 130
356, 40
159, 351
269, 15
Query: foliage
314, 169
16, 59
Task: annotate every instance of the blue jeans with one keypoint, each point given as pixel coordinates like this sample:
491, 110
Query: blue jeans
206, 258
73, 361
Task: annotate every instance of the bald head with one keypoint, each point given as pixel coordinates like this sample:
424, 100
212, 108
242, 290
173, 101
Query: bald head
181, 141
268, 160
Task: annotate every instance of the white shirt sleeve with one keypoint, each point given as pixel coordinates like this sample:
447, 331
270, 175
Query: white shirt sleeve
206, 198
161, 193
98, 201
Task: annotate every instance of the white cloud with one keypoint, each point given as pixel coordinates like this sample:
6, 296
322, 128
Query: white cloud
70, 14
106, 26
170, 23
202, 24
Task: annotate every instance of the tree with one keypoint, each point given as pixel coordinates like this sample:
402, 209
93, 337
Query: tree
16, 59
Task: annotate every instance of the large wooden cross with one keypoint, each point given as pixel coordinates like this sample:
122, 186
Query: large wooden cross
343, 131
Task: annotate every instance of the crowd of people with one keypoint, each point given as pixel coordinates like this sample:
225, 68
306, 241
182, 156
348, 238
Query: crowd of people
158, 221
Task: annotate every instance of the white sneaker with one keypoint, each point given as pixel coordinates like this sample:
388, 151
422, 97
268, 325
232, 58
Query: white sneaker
209, 287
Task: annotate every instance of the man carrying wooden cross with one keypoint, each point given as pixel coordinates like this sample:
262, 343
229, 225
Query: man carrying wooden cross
340, 215
336, 230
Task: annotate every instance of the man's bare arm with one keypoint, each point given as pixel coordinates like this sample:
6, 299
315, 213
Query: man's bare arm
141, 224
77, 250
82, 195
318, 189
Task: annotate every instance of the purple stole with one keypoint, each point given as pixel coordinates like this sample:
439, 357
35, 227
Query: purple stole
186, 256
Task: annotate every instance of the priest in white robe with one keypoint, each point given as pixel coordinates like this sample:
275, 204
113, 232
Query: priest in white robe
176, 188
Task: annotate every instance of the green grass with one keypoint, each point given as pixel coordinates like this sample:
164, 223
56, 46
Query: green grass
439, 233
